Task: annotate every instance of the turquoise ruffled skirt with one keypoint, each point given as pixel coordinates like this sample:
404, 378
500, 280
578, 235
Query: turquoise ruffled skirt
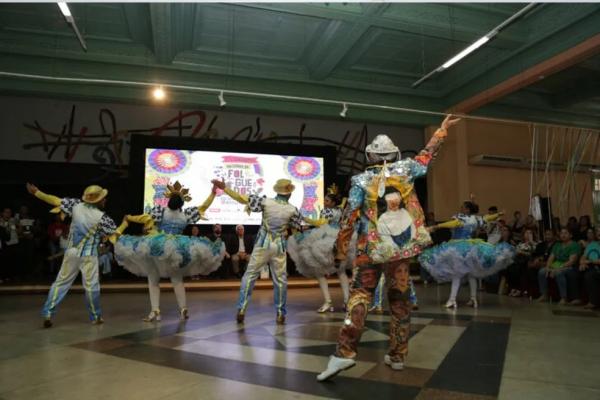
458, 258
169, 253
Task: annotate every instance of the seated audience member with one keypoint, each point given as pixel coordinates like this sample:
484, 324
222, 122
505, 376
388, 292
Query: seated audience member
239, 247
531, 224
517, 271
584, 224
538, 261
590, 236
4, 237
493, 227
11, 246
55, 232
590, 266
28, 236
516, 227
573, 226
561, 266
506, 235
544, 249
105, 258
556, 225
194, 230
217, 233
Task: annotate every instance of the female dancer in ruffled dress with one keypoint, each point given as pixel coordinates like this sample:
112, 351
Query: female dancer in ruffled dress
312, 250
164, 252
464, 256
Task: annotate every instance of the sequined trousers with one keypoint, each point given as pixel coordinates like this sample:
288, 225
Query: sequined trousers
366, 278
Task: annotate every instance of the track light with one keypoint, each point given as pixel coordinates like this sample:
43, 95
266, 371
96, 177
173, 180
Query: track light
221, 97
66, 12
466, 52
477, 44
64, 8
344, 110
159, 93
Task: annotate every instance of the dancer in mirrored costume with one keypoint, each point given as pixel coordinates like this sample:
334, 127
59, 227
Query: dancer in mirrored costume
391, 230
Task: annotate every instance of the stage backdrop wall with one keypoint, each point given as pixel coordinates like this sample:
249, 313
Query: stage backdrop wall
33, 129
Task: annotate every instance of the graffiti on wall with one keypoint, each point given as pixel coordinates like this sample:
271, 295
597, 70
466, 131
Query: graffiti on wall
110, 144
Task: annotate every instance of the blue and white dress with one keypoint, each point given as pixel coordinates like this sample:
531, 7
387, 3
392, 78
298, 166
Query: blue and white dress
464, 256
167, 250
313, 250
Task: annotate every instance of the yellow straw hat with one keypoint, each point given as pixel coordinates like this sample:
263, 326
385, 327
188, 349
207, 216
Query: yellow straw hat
283, 186
94, 194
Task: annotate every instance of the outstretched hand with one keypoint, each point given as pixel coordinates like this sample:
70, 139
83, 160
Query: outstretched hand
31, 188
220, 184
448, 121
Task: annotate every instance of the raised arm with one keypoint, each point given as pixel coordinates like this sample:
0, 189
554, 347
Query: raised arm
48, 198
433, 146
193, 214
240, 198
453, 223
492, 217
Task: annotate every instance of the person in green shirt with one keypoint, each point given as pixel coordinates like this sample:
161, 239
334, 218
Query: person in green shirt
590, 265
559, 266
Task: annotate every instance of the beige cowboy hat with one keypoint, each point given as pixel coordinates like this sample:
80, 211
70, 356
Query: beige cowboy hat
94, 194
283, 186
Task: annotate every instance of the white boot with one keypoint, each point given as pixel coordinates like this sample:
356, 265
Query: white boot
472, 302
396, 366
184, 315
154, 316
335, 366
326, 307
451, 304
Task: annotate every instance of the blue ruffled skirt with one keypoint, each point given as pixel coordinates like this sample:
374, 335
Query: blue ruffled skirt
458, 258
169, 253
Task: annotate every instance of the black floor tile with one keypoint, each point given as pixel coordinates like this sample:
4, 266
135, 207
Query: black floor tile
475, 363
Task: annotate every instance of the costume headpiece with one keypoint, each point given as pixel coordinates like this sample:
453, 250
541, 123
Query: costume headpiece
177, 190
380, 146
333, 190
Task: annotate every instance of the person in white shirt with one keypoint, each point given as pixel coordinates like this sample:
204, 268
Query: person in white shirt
89, 225
10, 250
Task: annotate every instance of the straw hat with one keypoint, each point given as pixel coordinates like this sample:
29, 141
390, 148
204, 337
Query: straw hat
94, 194
283, 187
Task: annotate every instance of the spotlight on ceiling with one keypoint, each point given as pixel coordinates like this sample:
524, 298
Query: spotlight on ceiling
159, 93
344, 110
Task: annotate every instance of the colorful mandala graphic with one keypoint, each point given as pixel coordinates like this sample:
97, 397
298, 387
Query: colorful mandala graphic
168, 161
303, 168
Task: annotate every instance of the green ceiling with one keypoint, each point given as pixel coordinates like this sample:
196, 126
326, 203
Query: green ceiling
369, 53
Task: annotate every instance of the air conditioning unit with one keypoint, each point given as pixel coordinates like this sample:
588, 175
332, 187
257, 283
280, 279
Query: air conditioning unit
498, 161
524, 163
